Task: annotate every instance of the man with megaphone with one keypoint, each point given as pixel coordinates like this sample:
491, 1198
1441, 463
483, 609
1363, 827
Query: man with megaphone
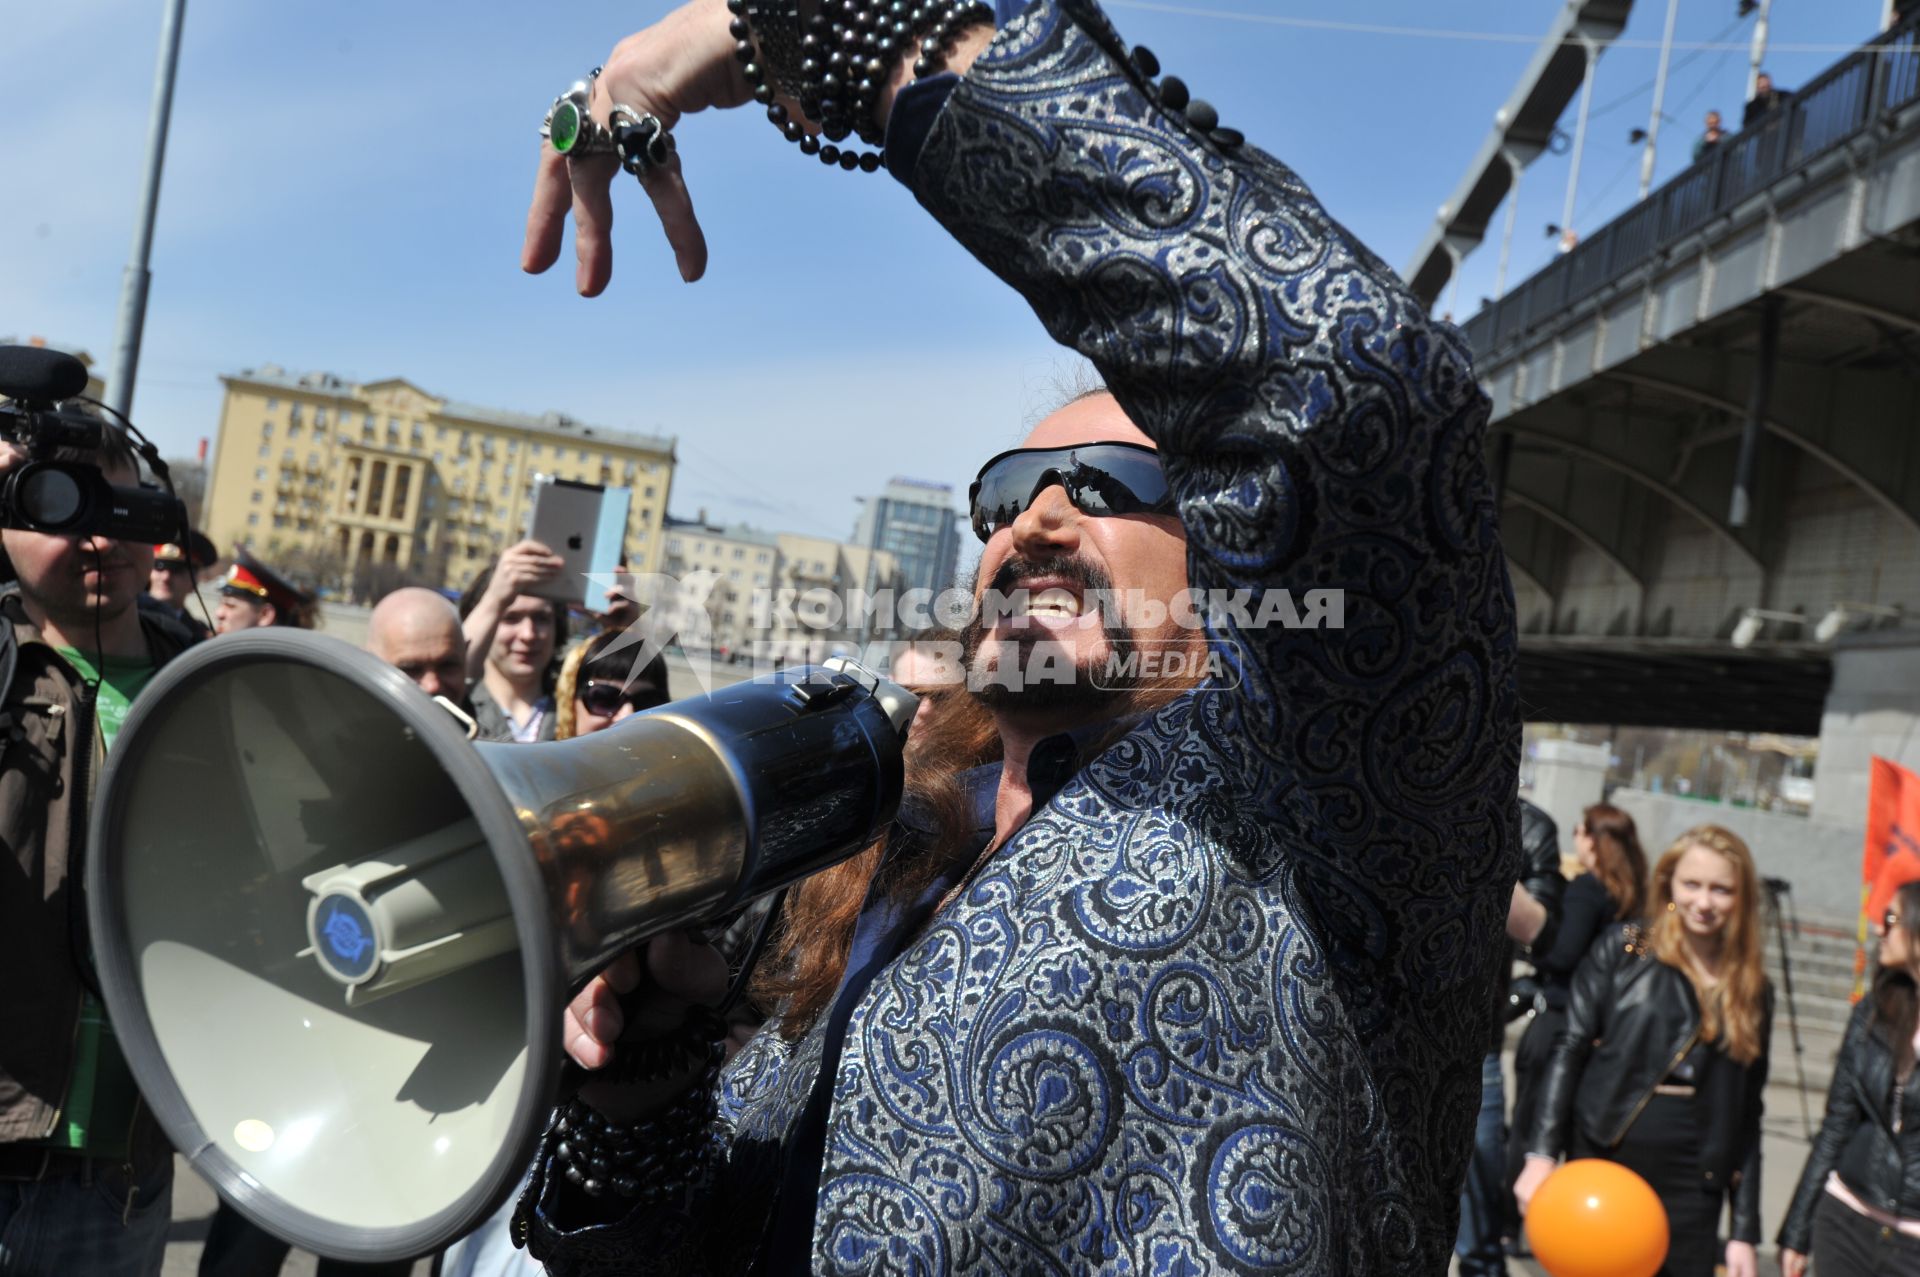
1211, 988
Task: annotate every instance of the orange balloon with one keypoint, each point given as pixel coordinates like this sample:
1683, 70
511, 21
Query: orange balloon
1594, 1218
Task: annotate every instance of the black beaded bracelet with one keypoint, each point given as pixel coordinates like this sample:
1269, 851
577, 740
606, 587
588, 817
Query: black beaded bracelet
645, 1161
847, 57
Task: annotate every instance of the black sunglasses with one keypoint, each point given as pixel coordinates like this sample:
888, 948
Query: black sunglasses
604, 699
1099, 478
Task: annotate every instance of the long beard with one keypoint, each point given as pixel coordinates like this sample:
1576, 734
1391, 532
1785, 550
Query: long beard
1041, 675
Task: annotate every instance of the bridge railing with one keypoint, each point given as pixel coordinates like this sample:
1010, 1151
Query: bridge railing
1838, 105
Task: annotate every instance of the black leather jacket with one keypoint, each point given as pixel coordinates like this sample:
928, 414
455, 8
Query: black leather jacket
1632, 1018
1540, 875
1857, 1137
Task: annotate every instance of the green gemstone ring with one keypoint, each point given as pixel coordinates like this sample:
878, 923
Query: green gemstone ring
569, 129
563, 130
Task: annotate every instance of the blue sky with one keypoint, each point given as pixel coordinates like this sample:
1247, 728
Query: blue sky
347, 184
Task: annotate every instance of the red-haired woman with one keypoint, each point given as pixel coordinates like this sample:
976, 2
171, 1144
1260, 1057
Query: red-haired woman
1663, 1058
1857, 1211
1612, 888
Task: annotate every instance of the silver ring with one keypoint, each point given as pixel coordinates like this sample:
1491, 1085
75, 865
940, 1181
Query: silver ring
584, 135
650, 149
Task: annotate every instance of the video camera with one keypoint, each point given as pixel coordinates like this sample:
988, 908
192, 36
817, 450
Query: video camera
68, 498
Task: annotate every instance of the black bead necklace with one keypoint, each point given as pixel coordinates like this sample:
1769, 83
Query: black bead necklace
847, 56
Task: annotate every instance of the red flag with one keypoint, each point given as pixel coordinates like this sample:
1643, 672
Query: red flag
1892, 857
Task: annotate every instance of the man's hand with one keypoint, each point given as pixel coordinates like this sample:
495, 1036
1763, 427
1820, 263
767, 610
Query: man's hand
1742, 1260
681, 64
1792, 1263
679, 972
1526, 917
11, 455
1531, 1178
523, 566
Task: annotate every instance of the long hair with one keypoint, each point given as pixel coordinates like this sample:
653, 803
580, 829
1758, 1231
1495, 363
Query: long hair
1732, 1009
585, 664
1896, 1002
1619, 862
809, 952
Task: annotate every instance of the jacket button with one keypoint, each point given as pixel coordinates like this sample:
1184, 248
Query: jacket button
1709, 1174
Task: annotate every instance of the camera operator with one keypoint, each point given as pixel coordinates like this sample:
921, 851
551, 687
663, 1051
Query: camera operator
86, 1175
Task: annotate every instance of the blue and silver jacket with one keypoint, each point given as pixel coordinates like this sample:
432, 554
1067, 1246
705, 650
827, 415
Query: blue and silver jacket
1220, 1005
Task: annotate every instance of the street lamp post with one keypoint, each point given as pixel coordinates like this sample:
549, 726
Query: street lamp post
133, 283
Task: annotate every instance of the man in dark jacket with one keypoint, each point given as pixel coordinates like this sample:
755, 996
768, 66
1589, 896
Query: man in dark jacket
1765, 101
85, 1173
1486, 1206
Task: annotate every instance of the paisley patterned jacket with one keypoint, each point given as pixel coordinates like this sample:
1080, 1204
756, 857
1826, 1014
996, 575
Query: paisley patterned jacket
1221, 1005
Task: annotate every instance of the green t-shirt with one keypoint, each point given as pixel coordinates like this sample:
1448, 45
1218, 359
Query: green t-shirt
101, 1094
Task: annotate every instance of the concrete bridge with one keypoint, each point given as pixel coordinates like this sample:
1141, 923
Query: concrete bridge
1707, 419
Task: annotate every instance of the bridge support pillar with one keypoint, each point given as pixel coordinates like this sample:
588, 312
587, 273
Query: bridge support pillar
1872, 709
1568, 777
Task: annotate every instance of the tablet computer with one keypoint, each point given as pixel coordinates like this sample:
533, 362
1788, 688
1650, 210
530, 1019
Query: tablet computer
586, 525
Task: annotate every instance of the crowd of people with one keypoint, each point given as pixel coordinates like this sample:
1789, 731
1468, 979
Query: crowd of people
1181, 975
1648, 1021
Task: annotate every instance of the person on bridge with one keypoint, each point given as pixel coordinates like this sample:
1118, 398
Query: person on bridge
1856, 1212
1198, 977
1765, 101
1663, 1060
1710, 138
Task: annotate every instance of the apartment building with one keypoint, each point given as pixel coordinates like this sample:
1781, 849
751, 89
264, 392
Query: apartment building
333, 477
743, 560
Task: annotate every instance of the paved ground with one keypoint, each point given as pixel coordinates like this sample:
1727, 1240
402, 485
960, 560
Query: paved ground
193, 1206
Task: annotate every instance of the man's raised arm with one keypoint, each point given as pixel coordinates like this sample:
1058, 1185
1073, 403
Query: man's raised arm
1320, 434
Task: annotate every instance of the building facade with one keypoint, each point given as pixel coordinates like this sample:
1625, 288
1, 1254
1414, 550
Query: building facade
914, 521
817, 611
333, 478
743, 560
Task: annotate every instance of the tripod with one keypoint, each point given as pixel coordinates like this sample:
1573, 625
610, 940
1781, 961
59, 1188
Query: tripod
1778, 890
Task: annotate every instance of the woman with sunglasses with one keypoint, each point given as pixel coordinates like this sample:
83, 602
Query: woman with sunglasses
1612, 887
598, 688
1663, 1058
1857, 1210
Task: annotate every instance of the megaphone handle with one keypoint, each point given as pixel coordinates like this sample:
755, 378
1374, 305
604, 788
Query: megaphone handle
657, 1059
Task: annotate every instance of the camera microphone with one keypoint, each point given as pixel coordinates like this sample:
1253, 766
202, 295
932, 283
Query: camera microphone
38, 375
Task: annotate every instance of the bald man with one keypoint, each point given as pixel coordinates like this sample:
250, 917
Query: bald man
418, 632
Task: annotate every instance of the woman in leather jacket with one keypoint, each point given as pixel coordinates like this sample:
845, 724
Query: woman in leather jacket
1663, 1058
1612, 888
1857, 1210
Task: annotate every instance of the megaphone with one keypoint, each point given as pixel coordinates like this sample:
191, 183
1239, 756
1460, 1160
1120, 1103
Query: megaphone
335, 938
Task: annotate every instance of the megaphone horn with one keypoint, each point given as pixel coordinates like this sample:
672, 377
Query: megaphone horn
335, 938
